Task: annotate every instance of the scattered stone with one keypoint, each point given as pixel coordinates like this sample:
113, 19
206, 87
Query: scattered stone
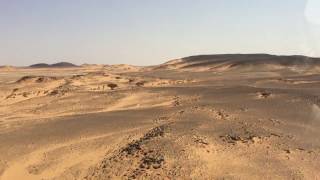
176, 101
264, 94
112, 86
233, 138
60, 91
140, 84
143, 159
274, 134
154, 161
201, 141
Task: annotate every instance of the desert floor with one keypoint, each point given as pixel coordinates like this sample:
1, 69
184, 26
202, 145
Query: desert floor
125, 122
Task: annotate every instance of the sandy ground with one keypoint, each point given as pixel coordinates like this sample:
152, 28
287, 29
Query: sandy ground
124, 122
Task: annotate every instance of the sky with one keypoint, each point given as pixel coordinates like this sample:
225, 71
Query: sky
147, 32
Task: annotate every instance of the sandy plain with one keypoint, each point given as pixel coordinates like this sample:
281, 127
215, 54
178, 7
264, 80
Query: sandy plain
201, 117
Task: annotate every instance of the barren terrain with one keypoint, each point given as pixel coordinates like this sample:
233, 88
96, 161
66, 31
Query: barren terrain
201, 117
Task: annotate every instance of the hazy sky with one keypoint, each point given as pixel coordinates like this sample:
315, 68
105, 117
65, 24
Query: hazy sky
144, 32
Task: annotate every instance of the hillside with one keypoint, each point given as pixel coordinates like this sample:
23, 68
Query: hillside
56, 65
232, 61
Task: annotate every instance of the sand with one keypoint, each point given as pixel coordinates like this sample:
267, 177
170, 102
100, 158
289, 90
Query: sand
173, 121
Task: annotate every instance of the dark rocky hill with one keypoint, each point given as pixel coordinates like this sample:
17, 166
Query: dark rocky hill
56, 65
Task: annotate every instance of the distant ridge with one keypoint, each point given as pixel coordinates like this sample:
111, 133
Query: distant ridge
7, 68
240, 60
56, 65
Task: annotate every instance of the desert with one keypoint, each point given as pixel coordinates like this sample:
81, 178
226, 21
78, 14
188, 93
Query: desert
225, 116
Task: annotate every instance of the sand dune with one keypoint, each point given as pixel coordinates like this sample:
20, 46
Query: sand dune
201, 117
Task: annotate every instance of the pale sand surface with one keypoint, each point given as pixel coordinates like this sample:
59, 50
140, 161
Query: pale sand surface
160, 122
